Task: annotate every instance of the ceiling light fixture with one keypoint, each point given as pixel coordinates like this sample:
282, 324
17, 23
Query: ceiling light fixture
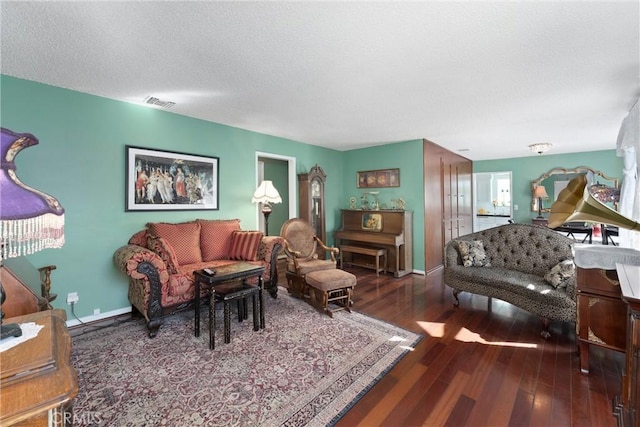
540, 148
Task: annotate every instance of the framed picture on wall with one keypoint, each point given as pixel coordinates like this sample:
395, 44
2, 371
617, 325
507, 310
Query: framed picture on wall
372, 221
378, 178
168, 180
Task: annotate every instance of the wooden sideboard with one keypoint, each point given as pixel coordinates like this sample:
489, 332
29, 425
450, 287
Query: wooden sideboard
601, 312
37, 381
627, 405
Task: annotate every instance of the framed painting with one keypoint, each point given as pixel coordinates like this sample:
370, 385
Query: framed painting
378, 178
168, 180
372, 221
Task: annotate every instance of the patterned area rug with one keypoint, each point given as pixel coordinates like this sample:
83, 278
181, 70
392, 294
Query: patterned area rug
303, 369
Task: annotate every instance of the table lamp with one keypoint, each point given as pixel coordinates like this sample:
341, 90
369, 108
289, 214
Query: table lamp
266, 194
30, 220
541, 193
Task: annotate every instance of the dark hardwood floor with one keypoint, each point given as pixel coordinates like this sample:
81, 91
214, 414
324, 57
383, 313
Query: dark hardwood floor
479, 364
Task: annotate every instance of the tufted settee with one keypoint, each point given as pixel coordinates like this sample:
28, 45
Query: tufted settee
160, 261
517, 258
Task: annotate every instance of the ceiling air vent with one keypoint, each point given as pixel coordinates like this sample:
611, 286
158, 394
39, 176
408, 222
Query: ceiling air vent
158, 102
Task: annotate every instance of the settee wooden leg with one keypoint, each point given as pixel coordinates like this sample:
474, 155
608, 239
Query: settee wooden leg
456, 301
272, 288
545, 328
153, 326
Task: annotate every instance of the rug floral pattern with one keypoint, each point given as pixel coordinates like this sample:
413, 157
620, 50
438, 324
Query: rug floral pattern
303, 369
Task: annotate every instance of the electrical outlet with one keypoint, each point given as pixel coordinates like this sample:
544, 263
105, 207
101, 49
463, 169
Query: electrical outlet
96, 311
72, 298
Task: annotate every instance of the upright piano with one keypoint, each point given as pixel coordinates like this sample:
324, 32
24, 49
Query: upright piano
388, 229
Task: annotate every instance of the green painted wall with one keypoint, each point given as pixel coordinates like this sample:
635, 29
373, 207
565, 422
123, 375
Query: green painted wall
407, 156
526, 169
81, 155
81, 161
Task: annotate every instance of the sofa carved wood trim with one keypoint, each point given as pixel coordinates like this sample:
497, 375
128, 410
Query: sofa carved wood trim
157, 289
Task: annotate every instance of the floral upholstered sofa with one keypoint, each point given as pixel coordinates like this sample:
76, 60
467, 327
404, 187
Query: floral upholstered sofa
160, 261
528, 266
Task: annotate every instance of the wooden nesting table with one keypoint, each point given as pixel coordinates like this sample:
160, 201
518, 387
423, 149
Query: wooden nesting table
230, 283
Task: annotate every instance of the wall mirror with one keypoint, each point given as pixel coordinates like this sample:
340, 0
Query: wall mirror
557, 179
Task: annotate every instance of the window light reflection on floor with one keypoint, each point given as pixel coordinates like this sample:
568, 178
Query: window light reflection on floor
437, 330
400, 339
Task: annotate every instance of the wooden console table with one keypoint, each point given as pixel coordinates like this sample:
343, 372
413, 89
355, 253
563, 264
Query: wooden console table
37, 381
627, 405
601, 312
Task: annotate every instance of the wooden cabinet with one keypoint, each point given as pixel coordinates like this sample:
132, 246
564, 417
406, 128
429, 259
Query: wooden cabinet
601, 312
447, 201
627, 405
37, 381
311, 192
456, 197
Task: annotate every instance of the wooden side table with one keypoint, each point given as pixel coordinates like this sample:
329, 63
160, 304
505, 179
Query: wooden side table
37, 382
627, 405
601, 312
238, 271
226, 293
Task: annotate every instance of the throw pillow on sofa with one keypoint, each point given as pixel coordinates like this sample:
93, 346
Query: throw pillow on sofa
473, 254
184, 238
215, 237
560, 273
245, 244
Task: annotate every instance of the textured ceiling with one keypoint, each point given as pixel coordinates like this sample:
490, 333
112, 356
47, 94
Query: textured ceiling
490, 77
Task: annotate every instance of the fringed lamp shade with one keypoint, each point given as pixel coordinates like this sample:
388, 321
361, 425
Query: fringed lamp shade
266, 193
30, 220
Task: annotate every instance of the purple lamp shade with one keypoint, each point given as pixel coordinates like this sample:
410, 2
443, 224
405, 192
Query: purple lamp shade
30, 220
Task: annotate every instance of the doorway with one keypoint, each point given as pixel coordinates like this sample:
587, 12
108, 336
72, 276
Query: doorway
492, 202
282, 171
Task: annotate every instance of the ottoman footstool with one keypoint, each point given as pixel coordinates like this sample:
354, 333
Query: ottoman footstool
330, 286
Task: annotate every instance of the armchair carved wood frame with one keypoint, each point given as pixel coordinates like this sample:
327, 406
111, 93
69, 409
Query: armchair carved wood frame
302, 247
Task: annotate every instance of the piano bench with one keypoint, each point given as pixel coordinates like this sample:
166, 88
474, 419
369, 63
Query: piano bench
374, 252
330, 286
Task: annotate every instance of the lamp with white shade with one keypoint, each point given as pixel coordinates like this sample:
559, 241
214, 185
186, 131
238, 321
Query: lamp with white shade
541, 193
30, 220
266, 194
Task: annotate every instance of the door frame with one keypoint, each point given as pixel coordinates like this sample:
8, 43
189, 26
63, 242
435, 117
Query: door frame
291, 178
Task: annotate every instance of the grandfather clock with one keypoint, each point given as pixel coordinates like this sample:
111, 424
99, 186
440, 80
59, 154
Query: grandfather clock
311, 187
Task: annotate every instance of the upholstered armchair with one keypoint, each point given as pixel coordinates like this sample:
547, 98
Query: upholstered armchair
301, 247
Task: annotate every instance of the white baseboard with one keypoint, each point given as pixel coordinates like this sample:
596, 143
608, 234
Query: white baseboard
101, 316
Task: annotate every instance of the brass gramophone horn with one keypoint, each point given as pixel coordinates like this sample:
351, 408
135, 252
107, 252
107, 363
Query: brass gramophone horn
575, 203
